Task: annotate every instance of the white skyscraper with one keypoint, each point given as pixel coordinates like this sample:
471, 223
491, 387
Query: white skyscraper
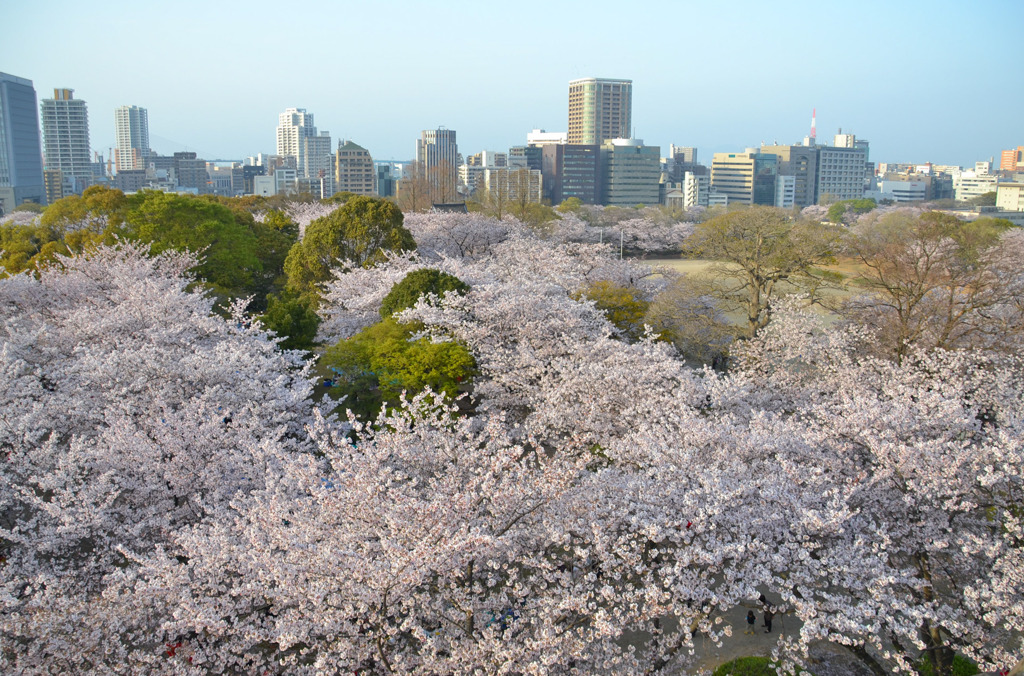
65, 122
132, 132
294, 126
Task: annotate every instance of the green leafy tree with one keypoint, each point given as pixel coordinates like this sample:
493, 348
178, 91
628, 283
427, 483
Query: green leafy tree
339, 197
846, 210
374, 367
686, 313
275, 237
623, 306
984, 200
358, 232
97, 208
32, 207
228, 248
417, 284
292, 320
758, 249
571, 205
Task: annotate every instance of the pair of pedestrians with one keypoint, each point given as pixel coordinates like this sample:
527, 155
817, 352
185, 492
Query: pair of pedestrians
768, 615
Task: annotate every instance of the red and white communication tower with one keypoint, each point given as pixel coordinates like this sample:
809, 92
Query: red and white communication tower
814, 123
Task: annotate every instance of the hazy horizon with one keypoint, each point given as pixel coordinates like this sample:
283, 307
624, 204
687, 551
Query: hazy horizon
920, 81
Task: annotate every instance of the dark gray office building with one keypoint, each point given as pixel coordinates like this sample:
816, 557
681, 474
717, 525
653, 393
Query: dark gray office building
21, 157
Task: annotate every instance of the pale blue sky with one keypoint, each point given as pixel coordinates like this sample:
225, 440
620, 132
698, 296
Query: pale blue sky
935, 80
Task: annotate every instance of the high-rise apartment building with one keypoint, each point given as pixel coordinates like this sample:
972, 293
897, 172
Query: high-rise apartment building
354, 169
21, 169
599, 110
65, 122
131, 127
294, 126
437, 154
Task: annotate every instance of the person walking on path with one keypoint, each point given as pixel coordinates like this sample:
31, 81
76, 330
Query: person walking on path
751, 621
768, 615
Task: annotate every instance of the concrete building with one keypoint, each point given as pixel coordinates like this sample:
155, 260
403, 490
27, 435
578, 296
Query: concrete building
785, 191
131, 133
599, 110
1012, 160
841, 173
685, 154
318, 161
539, 137
190, 173
1010, 197
130, 180
295, 125
572, 171
21, 166
513, 183
800, 162
971, 184
285, 181
53, 183
354, 170
65, 122
696, 189
529, 157
249, 174
693, 191
264, 186
900, 191
630, 173
385, 180
745, 178
438, 154
471, 172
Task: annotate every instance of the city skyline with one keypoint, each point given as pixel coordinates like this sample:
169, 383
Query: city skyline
916, 79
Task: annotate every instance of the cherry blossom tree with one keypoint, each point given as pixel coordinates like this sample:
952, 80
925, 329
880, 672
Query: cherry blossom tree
129, 412
455, 235
927, 453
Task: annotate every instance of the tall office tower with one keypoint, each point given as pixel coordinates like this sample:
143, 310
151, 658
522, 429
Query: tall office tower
293, 127
131, 125
437, 154
66, 138
21, 169
354, 169
599, 110
746, 178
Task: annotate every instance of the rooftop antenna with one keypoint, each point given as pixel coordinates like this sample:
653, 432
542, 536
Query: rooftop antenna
814, 123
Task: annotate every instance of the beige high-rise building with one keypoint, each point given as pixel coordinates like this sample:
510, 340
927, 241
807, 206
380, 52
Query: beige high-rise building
599, 110
354, 171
